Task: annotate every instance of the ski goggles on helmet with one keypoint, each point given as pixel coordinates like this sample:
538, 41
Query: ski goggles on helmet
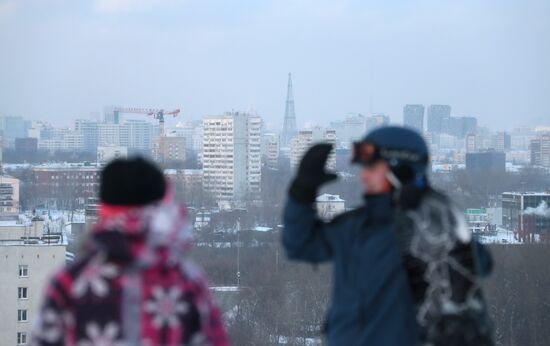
365, 154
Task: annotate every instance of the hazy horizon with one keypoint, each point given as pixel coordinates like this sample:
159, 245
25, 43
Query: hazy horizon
64, 60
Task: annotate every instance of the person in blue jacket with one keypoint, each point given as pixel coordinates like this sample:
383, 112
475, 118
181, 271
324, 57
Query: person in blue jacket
397, 280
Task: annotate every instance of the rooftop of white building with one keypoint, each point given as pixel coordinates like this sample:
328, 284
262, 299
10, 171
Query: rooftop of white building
53, 166
528, 193
329, 198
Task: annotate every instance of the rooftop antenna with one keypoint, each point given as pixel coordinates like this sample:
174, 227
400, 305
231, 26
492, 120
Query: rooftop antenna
289, 125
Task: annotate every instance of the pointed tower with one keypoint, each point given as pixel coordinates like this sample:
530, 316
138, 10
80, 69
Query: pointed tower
289, 126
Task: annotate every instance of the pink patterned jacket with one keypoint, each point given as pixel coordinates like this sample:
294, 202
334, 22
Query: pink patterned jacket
134, 286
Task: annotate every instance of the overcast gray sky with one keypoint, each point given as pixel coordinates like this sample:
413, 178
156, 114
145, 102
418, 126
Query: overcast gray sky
62, 59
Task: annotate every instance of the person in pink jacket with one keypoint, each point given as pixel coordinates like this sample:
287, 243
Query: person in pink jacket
133, 285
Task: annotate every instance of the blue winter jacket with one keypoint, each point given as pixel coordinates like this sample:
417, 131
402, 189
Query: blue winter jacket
371, 300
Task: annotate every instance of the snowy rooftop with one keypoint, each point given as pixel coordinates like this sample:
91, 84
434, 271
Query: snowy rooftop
502, 237
475, 211
52, 166
329, 198
66, 166
510, 167
447, 167
23, 242
14, 223
192, 171
528, 193
225, 288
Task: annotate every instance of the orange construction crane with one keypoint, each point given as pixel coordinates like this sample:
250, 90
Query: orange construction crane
157, 114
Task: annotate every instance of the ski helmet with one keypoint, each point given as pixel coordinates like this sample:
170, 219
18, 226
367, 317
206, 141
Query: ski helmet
402, 148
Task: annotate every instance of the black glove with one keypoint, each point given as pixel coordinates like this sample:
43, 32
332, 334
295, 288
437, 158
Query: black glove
311, 174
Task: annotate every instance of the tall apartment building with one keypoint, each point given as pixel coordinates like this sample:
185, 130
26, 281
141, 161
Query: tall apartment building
413, 117
12, 127
471, 143
458, 126
232, 156
520, 138
111, 115
270, 149
305, 139
141, 135
89, 130
62, 140
501, 141
174, 149
136, 135
110, 134
28, 255
436, 114
540, 150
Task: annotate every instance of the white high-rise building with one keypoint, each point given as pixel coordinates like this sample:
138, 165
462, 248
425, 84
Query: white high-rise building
232, 156
27, 258
305, 139
63, 140
136, 135
270, 149
540, 150
471, 142
109, 134
89, 131
141, 134
413, 117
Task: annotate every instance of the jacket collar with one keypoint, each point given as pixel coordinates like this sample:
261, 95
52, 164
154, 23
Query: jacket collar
379, 208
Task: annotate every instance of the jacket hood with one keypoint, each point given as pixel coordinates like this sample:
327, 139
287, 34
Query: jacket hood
157, 233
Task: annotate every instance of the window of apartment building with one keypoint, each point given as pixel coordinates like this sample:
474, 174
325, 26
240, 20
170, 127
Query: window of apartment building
22, 315
21, 338
22, 293
23, 271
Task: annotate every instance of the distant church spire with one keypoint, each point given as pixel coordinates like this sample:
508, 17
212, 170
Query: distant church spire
289, 126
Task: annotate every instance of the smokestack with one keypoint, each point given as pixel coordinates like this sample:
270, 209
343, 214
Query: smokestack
541, 210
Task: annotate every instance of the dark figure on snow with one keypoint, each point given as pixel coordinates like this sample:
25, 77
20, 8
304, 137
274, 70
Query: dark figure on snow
134, 285
405, 266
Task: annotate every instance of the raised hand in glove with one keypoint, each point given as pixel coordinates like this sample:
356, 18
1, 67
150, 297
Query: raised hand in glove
311, 174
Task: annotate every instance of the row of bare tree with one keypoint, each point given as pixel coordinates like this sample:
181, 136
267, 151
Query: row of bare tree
282, 301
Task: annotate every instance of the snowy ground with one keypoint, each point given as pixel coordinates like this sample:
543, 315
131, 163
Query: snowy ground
503, 236
57, 221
